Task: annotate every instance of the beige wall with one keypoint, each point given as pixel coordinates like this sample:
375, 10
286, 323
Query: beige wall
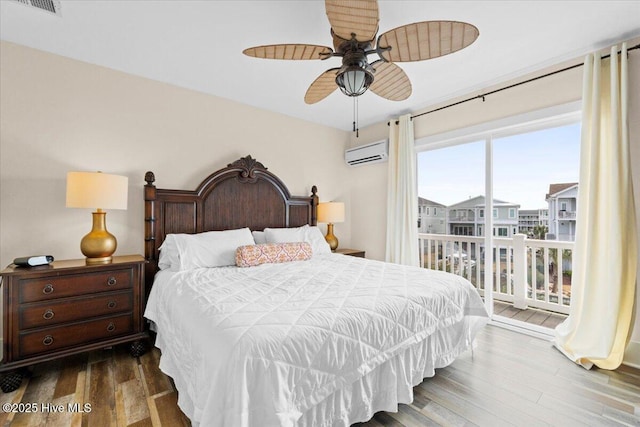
562, 88
60, 115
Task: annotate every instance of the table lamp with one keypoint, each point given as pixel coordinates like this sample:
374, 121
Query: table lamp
331, 213
100, 191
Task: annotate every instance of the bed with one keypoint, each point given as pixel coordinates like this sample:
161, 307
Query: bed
286, 333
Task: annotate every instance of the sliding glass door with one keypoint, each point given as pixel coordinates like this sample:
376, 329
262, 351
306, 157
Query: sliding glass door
499, 207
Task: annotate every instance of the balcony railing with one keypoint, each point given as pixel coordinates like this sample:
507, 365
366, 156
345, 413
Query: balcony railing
526, 272
462, 216
566, 215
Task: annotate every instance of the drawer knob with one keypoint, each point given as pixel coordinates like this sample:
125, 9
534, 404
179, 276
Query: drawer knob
111, 327
48, 315
48, 340
112, 281
112, 304
47, 289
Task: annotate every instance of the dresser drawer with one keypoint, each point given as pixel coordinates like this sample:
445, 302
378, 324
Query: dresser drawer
47, 288
48, 339
71, 309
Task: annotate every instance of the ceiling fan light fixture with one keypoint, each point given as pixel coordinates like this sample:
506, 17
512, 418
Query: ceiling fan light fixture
354, 80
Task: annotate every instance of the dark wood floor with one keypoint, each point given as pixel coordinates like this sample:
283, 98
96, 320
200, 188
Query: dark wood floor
122, 391
512, 379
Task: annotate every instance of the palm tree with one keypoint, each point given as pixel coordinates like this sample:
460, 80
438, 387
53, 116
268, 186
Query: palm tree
540, 231
555, 271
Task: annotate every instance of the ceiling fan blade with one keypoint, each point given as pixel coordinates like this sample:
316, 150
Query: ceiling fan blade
289, 51
337, 41
321, 87
390, 82
353, 16
426, 40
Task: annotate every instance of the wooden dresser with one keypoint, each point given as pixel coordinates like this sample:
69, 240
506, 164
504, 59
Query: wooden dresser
69, 307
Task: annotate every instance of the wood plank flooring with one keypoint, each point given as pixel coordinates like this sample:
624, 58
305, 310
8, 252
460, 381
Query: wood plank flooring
120, 390
533, 316
512, 379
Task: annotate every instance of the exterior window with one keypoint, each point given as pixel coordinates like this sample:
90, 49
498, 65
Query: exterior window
495, 213
563, 206
481, 213
435, 211
512, 212
427, 210
502, 231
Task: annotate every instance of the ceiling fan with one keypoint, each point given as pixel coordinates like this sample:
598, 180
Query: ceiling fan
354, 25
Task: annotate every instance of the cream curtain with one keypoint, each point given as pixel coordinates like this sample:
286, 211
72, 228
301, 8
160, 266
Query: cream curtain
605, 256
402, 195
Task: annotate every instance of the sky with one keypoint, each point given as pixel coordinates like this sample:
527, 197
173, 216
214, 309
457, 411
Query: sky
523, 167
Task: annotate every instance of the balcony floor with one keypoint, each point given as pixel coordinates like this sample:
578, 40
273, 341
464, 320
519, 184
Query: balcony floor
534, 316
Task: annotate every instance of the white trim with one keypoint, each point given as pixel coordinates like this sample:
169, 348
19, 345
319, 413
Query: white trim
632, 355
488, 223
522, 327
558, 115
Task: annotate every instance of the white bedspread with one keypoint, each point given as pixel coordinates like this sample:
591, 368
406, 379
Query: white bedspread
269, 345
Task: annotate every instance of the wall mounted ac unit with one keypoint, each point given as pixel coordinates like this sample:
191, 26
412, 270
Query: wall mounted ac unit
366, 154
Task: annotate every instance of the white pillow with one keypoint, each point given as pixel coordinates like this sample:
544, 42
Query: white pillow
317, 241
311, 235
259, 237
286, 235
169, 259
208, 249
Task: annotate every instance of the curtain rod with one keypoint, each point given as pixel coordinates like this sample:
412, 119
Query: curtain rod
509, 87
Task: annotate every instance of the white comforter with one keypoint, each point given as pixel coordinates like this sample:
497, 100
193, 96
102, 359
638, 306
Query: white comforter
261, 346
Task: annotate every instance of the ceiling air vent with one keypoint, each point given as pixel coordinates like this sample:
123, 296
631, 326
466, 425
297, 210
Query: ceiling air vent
51, 6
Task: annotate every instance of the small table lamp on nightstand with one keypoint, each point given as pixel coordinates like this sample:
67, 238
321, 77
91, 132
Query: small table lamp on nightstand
100, 191
331, 212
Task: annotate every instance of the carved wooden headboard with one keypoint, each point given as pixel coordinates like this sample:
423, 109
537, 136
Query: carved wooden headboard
244, 194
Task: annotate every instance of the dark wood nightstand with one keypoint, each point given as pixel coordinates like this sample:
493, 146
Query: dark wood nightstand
70, 307
352, 252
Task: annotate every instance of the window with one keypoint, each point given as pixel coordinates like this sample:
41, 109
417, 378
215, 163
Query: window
552, 156
435, 211
506, 165
427, 210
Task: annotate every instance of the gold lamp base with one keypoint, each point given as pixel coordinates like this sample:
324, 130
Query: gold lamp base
99, 244
331, 239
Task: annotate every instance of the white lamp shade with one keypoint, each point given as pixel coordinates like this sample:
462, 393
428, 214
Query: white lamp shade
331, 212
97, 190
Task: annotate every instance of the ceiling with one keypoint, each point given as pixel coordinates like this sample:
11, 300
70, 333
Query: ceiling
198, 45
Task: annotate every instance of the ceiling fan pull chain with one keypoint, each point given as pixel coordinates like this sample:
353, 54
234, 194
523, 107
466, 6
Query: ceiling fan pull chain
354, 113
357, 118
356, 128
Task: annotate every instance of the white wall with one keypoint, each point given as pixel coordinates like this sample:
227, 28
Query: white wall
559, 89
61, 115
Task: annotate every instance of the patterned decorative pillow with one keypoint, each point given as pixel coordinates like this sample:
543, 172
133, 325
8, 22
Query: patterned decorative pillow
252, 255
